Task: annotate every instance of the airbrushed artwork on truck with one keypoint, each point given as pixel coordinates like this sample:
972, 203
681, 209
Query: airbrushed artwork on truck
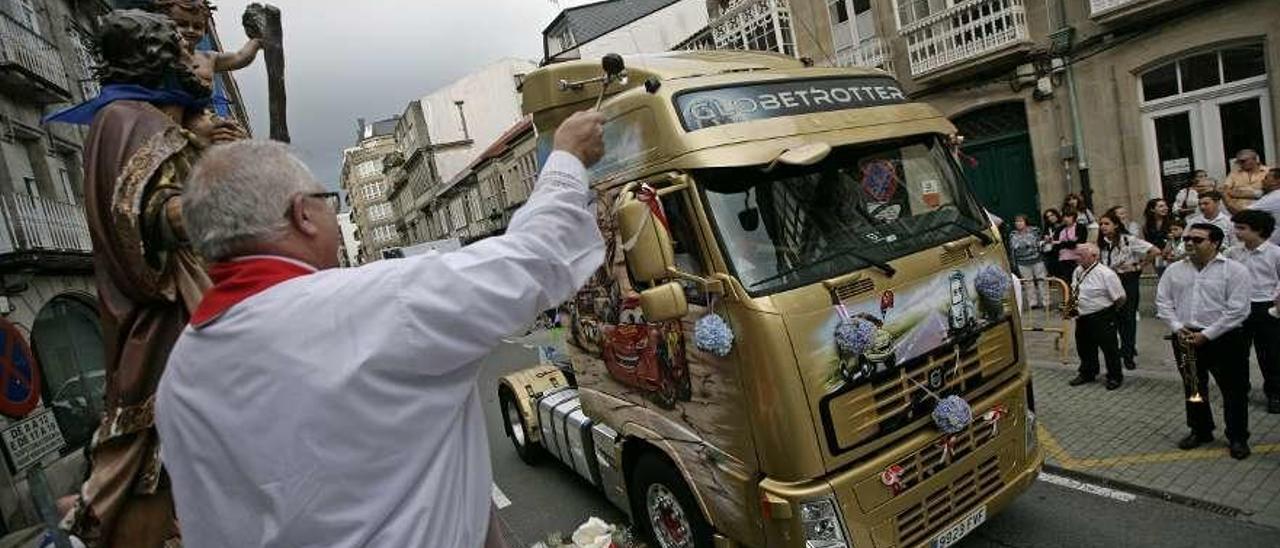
608, 327
631, 371
905, 323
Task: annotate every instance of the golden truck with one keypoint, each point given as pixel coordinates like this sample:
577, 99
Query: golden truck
803, 333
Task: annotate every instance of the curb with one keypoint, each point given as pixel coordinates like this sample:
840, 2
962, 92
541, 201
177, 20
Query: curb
1182, 500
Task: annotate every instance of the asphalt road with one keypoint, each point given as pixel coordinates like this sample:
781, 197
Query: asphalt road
548, 498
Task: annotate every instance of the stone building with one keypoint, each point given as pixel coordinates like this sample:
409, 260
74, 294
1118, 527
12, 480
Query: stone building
480, 200
369, 190
1123, 98
625, 27
47, 290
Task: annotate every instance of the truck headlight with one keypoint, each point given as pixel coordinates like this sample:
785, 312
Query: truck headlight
823, 527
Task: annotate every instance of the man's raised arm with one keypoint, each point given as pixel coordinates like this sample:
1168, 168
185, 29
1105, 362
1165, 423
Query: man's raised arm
458, 305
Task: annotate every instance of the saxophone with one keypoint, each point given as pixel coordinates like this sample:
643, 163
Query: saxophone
1187, 366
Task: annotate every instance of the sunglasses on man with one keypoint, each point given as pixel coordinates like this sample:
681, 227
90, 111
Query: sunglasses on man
1194, 239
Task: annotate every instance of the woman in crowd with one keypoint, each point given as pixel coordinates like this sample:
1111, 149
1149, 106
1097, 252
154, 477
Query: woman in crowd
1065, 239
1075, 203
1127, 255
1155, 227
1131, 226
1024, 241
1050, 220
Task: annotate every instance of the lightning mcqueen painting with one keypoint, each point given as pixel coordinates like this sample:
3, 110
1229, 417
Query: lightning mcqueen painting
646, 356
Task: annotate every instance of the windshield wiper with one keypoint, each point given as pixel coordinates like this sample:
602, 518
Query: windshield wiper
882, 266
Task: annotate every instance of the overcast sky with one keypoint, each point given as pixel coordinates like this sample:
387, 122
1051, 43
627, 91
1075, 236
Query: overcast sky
368, 58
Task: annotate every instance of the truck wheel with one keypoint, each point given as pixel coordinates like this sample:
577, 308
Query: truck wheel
517, 430
666, 512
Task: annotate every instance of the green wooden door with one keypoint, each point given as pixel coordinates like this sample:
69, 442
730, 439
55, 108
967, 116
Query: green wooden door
1005, 176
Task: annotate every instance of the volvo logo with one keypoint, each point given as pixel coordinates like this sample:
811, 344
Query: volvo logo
936, 379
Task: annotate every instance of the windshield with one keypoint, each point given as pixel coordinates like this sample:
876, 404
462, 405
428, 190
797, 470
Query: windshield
863, 206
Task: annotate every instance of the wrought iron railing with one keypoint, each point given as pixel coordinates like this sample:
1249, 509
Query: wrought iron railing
872, 52
37, 224
967, 30
21, 46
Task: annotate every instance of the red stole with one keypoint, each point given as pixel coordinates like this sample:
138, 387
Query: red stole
241, 278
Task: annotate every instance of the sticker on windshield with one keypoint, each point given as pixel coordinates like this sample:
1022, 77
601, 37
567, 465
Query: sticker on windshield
930, 192
886, 212
880, 180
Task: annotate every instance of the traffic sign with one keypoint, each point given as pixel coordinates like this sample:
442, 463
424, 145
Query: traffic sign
30, 439
19, 376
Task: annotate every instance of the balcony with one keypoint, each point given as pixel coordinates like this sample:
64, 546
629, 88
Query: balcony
36, 229
968, 34
1112, 12
873, 53
29, 64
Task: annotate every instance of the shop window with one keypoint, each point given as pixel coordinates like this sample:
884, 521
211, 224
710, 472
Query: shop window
67, 341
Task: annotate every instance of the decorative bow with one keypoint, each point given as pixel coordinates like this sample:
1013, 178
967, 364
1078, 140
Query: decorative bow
948, 445
891, 477
993, 416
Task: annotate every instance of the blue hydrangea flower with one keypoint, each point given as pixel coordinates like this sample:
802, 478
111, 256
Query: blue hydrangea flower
992, 283
952, 414
712, 334
854, 336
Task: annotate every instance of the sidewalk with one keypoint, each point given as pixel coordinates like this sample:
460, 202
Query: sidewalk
1129, 436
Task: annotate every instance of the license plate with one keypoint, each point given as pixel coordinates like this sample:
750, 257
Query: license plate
958, 531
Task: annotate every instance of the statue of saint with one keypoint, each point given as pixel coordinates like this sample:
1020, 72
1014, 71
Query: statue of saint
192, 18
146, 130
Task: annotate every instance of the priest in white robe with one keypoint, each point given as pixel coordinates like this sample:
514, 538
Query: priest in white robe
310, 406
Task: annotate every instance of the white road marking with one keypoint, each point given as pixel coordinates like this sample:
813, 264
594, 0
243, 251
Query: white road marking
1090, 488
499, 498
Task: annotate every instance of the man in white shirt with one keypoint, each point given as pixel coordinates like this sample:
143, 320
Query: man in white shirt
310, 406
1211, 212
1205, 300
1270, 201
1187, 201
1262, 330
1097, 295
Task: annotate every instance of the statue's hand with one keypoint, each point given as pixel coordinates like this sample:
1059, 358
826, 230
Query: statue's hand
255, 21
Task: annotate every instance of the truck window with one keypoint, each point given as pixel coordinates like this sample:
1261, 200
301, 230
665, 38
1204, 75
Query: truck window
684, 240
863, 204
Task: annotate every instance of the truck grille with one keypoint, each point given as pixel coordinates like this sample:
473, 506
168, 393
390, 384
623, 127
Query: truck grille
921, 521
854, 416
926, 462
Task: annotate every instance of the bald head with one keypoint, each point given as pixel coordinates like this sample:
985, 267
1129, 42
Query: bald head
1088, 254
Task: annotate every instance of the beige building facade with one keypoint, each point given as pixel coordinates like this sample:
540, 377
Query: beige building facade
1121, 97
368, 188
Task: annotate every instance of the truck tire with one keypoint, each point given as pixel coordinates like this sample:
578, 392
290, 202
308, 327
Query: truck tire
516, 428
666, 514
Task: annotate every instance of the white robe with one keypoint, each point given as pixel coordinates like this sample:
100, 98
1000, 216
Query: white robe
341, 408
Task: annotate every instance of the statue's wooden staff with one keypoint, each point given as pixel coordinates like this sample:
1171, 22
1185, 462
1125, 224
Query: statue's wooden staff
262, 21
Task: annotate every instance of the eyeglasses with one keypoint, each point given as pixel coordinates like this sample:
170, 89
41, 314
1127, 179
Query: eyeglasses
1194, 239
331, 199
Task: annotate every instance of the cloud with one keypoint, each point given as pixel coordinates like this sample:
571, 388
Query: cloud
368, 58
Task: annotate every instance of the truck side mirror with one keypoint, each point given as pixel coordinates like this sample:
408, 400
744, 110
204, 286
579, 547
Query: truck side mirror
645, 241
664, 303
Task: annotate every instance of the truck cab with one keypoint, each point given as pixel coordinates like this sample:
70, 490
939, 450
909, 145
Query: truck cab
796, 274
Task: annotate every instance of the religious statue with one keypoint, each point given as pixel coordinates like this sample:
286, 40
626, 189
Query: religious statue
261, 25
146, 130
192, 18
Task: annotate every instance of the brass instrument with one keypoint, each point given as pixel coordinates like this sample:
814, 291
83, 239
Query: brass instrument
1186, 359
